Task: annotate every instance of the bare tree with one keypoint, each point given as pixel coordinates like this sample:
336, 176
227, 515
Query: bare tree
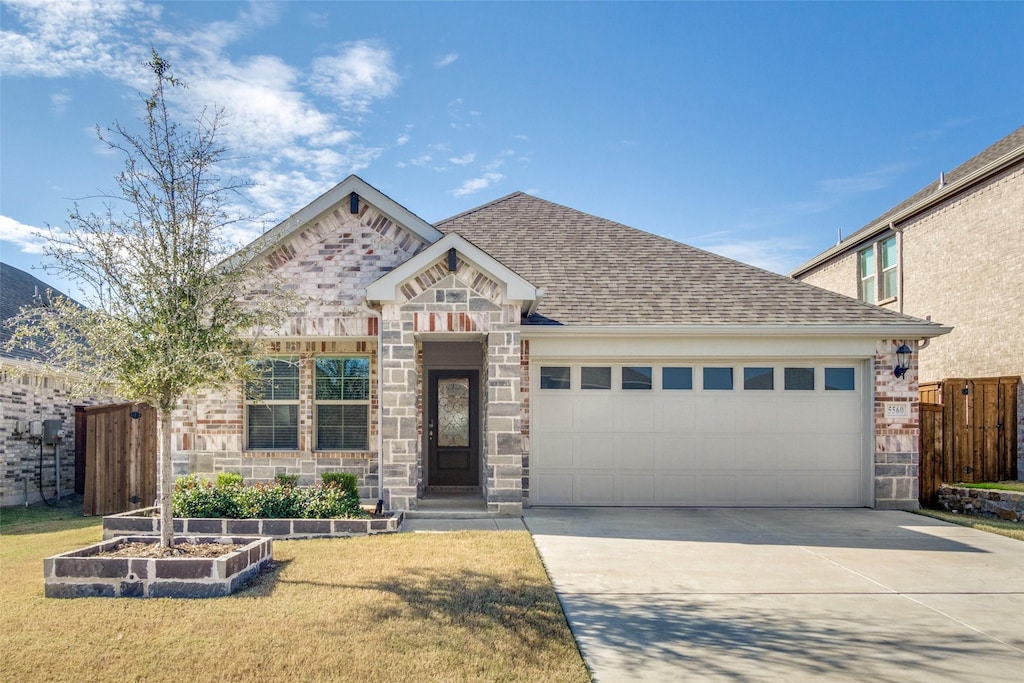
169, 306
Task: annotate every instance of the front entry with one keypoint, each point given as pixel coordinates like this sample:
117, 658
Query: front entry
453, 431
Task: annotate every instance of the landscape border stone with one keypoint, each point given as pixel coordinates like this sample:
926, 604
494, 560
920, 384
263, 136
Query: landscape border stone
1000, 504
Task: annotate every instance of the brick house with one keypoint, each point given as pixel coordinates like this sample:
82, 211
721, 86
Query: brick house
29, 393
533, 354
954, 252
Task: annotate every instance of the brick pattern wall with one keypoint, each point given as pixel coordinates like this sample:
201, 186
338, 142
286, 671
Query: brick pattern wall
209, 429
32, 396
896, 448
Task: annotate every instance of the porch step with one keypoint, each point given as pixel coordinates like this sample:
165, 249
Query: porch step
451, 506
449, 514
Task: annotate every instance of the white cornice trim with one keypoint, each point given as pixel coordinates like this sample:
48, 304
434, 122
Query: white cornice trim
895, 331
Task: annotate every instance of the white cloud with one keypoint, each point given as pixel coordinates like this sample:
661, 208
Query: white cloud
59, 102
464, 159
402, 139
446, 60
356, 77
869, 181
777, 255
27, 238
476, 184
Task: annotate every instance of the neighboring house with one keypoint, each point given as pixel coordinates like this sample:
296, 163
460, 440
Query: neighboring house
30, 394
953, 252
538, 355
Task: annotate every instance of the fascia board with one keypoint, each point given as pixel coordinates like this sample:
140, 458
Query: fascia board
516, 288
896, 331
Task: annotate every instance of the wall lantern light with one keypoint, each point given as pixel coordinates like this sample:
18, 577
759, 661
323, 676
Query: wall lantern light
902, 360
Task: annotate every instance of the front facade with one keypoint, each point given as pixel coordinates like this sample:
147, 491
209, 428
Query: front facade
537, 355
953, 252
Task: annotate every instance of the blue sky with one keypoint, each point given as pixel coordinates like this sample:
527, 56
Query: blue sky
755, 130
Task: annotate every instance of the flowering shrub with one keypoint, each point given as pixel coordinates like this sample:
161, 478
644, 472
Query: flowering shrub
196, 497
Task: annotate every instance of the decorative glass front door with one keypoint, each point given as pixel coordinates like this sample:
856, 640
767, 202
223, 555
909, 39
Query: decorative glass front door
452, 429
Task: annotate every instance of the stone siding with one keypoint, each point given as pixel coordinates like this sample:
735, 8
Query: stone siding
1008, 505
29, 395
896, 448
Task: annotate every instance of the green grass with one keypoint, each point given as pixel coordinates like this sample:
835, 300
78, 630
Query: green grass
1006, 528
995, 485
466, 606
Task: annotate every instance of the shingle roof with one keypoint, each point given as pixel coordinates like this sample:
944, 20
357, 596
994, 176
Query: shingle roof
599, 272
17, 289
1012, 144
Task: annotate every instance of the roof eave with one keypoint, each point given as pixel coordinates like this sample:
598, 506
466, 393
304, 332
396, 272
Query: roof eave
876, 331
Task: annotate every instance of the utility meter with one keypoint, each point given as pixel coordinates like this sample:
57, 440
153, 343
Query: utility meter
53, 432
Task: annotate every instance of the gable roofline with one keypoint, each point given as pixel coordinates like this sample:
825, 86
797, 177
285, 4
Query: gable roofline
971, 172
900, 330
516, 287
337, 194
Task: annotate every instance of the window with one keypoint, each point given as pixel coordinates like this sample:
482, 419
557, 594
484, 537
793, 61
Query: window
717, 379
636, 378
839, 379
554, 378
758, 379
272, 405
595, 378
342, 399
799, 379
878, 271
677, 378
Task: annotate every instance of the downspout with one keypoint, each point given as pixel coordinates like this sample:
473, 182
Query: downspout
365, 305
899, 264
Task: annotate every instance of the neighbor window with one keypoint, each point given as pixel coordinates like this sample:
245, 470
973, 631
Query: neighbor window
677, 378
758, 378
636, 378
717, 378
799, 379
342, 399
878, 271
554, 377
272, 405
839, 379
595, 378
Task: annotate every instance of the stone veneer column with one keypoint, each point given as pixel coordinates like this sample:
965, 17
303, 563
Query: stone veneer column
503, 441
398, 406
896, 448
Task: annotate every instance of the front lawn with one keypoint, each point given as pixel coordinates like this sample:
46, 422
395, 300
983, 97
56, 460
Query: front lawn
466, 606
996, 485
993, 526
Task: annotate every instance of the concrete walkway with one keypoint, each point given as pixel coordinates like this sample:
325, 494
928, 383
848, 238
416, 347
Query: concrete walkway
784, 595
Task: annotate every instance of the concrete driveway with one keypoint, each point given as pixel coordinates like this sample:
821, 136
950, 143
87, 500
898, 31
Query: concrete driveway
787, 595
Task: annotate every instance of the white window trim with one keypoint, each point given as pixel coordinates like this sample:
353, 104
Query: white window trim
877, 276
340, 402
297, 402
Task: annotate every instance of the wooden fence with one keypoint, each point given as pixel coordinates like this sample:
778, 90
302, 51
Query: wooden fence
115, 452
968, 432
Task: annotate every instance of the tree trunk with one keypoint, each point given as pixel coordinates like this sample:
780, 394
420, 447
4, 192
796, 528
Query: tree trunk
165, 481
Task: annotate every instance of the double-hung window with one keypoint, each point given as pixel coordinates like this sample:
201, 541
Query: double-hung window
878, 271
342, 399
272, 405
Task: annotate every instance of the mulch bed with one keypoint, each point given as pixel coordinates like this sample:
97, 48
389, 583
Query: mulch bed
135, 549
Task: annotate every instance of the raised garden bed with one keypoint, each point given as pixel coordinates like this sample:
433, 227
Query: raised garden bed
81, 573
995, 503
146, 521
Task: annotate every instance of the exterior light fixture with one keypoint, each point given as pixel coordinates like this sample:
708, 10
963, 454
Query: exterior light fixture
902, 360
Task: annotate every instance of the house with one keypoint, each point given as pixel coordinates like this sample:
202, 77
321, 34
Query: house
533, 354
954, 252
30, 394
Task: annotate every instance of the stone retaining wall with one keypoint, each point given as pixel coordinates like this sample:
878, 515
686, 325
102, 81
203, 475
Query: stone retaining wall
144, 522
80, 574
1008, 505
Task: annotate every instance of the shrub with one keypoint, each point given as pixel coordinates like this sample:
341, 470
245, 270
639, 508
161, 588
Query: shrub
345, 480
226, 479
286, 479
196, 497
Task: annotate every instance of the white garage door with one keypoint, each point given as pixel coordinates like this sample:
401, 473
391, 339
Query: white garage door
757, 434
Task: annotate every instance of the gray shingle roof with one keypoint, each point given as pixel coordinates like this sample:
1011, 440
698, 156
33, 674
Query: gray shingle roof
599, 272
17, 289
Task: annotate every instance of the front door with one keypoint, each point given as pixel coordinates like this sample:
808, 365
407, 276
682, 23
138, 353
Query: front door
453, 432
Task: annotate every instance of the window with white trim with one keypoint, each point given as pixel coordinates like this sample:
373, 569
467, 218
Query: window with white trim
272, 405
878, 271
341, 397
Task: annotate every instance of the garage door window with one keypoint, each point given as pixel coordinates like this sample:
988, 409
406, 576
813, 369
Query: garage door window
636, 378
554, 377
595, 378
717, 379
758, 379
677, 378
799, 379
839, 379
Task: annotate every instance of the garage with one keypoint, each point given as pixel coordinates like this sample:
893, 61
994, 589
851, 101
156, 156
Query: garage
713, 433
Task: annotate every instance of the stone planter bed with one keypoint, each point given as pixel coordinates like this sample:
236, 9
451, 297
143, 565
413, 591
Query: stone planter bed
143, 521
997, 503
80, 574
